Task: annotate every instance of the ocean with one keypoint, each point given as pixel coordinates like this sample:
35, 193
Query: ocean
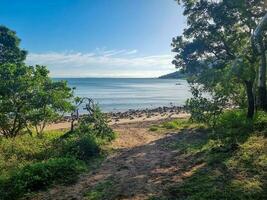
121, 94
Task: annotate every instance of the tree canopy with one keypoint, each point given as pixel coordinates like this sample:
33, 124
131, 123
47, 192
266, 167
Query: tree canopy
29, 98
216, 51
10, 52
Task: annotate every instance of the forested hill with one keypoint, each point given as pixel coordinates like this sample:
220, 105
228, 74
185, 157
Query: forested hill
174, 75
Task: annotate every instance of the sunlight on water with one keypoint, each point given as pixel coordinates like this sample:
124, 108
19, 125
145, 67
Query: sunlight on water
123, 94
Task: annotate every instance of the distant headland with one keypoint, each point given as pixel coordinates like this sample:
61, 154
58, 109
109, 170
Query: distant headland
174, 75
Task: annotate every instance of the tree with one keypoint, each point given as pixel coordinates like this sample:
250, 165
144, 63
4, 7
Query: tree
261, 49
217, 34
50, 100
10, 51
29, 98
245, 72
15, 97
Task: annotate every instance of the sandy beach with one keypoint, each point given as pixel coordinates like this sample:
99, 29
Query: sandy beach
132, 116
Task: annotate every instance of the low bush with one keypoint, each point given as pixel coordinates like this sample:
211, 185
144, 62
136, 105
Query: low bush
153, 128
82, 148
31, 163
260, 121
39, 175
180, 124
233, 126
170, 125
96, 124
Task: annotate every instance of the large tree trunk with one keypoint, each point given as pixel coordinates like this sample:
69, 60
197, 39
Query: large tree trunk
250, 96
262, 83
260, 47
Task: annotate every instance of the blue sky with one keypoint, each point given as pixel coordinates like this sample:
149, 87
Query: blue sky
96, 38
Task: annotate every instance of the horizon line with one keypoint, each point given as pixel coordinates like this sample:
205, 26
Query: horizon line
105, 77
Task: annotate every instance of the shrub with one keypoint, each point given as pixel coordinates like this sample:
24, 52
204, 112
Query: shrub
153, 128
260, 123
233, 119
203, 109
82, 148
233, 126
170, 125
176, 124
96, 124
37, 176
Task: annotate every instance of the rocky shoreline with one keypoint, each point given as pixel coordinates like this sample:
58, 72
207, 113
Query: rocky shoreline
146, 113
164, 111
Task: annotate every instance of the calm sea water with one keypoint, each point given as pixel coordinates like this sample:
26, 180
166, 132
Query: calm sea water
121, 94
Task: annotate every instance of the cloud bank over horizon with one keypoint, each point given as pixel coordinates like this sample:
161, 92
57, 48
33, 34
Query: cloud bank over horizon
103, 63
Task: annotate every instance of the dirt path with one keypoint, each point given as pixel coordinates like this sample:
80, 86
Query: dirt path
142, 166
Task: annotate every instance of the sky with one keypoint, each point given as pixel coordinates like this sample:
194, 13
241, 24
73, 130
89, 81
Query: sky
96, 38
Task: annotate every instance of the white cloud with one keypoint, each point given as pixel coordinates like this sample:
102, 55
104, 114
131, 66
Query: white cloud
131, 52
103, 63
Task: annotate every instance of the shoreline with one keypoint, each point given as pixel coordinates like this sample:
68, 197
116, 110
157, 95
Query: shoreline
131, 116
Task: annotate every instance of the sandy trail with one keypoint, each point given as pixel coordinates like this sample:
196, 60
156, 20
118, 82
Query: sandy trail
142, 166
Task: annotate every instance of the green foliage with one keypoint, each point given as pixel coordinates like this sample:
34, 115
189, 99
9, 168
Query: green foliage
15, 95
221, 60
170, 125
49, 101
153, 128
101, 191
9, 47
232, 166
234, 127
96, 124
177, 124
260, 121
40, 175
31, 163
28, 98
205, 110
82, 147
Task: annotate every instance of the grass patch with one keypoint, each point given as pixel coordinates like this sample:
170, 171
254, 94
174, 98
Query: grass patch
154, 128
101, 191
30, 163
232, 160
177, 124
40, 175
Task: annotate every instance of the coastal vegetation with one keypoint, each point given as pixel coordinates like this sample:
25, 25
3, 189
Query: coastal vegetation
217, 52
227, 161
216, 150
223, 53
31, 158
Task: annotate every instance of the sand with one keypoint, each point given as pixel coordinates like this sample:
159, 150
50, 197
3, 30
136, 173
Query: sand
156, 116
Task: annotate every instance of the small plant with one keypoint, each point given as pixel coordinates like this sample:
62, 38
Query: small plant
260, 121
101, 191
170, 125
153, 128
